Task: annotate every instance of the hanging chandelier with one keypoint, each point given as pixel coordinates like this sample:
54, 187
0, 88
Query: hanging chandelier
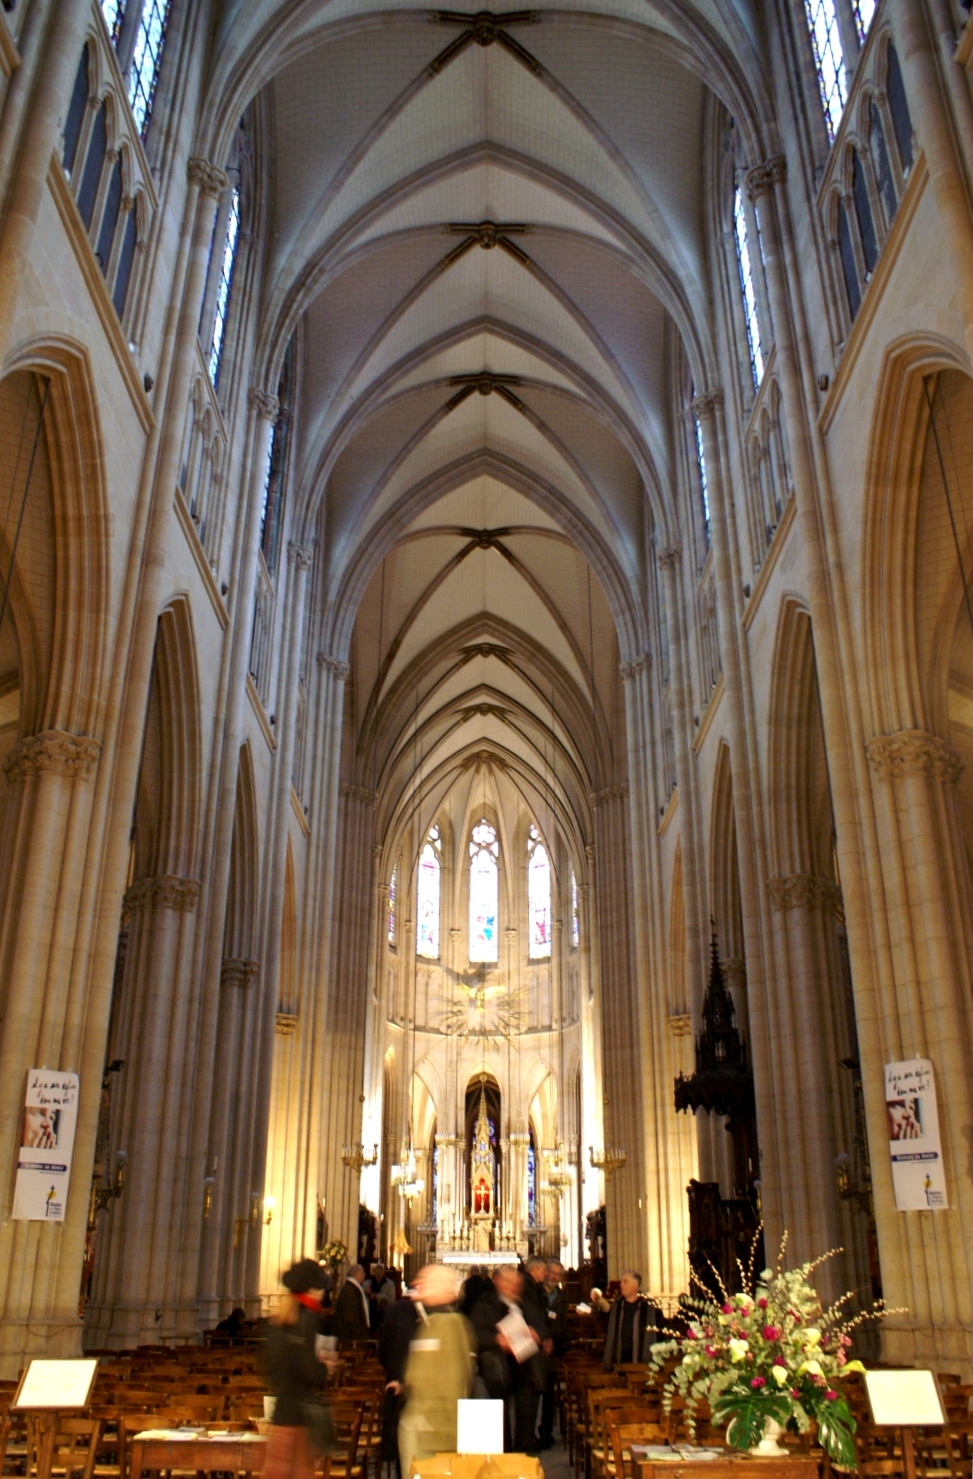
404, 1174
609, 1160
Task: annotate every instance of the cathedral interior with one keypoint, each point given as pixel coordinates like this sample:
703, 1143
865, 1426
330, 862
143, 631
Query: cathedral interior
486, 649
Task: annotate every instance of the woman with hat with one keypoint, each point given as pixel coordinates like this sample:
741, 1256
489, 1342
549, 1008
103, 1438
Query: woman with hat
300, 1427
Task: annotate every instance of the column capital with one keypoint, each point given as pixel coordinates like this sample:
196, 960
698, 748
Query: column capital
210, 179
707, 403
242, 973
808, 889
350, 792
763, 177
633, 666
264, 405
285, 1024
338, 670
913, 752
164, 891
609, 794
669, 557
54, 751
299, 555
681, 1024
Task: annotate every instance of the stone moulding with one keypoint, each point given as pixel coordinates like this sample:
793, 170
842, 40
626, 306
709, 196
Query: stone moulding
242, 973
808, 889
285, 1024
913, 752
53, 752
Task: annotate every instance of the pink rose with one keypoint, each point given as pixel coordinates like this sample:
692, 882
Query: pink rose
761, 1304
712, 1350
726, 1309
831, 1395
795, 1392
771, 1332
690, 1335
758, 1381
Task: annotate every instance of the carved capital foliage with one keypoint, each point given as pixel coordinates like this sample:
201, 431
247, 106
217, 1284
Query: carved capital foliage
165, 891
735, 972
707, 404
681, 1024
449, 1142
53, 752
913, 752
263, 404
211, 180
763, 177
669, 557
337, 669
300, 556
807, 889
348, 792
242, 973
285, 1024
609, 794
635, 665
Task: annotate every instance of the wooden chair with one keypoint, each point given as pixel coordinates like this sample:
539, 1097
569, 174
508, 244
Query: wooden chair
70, 1442
624, 1434
599, 1462
344, 1462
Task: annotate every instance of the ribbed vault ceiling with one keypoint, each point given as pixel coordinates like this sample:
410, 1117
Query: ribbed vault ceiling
485, 416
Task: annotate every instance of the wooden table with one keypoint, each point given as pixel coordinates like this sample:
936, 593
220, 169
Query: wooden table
233, 1454
468, 1465
736, 1465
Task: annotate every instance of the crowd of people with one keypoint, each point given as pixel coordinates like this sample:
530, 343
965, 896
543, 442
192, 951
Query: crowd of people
496, 1337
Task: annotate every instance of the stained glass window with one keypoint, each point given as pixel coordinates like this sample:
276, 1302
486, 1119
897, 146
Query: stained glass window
746, 288
575, 913
864, 11
538, 896
822, 23
531, 1183
391, 913
147, 60
223, 293
484, 891
434, 1212
114, 13
428, 889
701, 462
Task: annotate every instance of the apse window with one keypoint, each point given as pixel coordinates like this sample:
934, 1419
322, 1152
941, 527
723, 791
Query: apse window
391, 908
829, 62
428, 897
147, 61
484, 891
575, 913
538, 897
223, 291
745, 267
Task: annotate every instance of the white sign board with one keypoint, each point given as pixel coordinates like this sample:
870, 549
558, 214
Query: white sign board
57, 1383
904, 1399
918, 1174
479, 1426
46, 1143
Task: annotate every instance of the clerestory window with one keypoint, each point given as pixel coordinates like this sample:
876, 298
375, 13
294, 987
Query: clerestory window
538, 897
391, 909
224, 288
747, 291
484, 891
829, 61
428, 896
150, 43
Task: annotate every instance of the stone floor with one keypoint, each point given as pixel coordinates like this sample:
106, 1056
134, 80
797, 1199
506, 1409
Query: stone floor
555, 1462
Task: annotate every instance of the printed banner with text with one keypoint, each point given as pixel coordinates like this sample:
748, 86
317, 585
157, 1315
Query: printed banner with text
918, 1174
46, 1143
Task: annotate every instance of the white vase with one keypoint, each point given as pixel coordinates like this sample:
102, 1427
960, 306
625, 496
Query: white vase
768, 1447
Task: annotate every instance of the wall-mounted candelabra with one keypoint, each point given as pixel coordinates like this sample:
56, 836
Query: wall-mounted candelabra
609, 1160
357, 1156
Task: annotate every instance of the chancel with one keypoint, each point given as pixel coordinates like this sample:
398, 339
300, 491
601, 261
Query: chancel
486, 654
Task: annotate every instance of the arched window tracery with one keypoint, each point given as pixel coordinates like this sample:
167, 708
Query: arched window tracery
825, 35
224, 288
538, 897
150, 43
390, 918
745, 268
575, 913
484, 853
429, 896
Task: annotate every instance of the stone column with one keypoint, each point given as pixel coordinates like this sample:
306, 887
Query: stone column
373, 1075
57, 63
209, 1114
47, 824
927, 1263
934, 127
135, 1276
808, 1042
298, 564
668, 1149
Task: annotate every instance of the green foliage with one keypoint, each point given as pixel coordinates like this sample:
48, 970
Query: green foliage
746, 1411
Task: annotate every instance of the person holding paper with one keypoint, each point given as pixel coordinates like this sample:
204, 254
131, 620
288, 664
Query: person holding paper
507, 1345
439, 1370
300, 1427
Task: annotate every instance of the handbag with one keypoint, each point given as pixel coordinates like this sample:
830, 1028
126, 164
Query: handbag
320, 1427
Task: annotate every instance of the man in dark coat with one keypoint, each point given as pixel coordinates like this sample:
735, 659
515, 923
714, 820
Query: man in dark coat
539, 1369
503, 1376
632, 1325
556, 1331
395, 1337
351, 1308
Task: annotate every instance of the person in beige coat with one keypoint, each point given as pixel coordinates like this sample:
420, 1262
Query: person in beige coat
439, 1371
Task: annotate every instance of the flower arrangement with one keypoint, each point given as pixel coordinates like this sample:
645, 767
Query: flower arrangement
334, 1254
773, 1353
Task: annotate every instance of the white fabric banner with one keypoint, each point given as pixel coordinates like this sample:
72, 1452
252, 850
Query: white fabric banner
46, 1143
918, 1174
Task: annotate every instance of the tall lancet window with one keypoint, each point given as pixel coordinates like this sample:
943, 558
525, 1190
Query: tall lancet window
484, 891
575, 913
829, 61
745, 267
428, 890
391, 914
227, 264
147, 61
538, 896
